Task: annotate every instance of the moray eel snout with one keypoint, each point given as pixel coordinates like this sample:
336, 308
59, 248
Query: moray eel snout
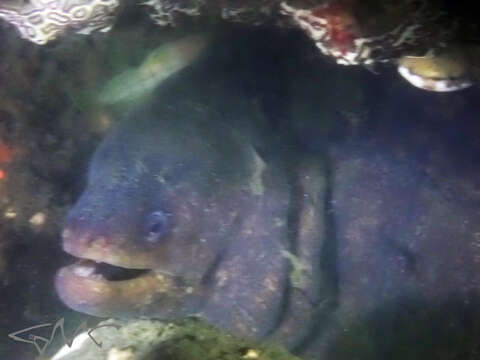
120, 272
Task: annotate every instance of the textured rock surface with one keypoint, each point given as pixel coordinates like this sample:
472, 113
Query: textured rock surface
351, 32
149, 340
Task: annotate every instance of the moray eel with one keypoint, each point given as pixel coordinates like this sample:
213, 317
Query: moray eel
175, 200
182, 216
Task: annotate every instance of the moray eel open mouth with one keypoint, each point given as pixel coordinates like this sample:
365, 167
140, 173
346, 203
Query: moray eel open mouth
103, 272
102, 289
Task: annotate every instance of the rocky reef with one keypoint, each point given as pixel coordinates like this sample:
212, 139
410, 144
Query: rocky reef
150, 339
350, 32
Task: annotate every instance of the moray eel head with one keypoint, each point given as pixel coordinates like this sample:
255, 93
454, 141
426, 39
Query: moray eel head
152, 222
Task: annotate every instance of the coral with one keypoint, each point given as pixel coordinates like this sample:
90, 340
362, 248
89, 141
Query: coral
166, 12
41, 21
352, 32
339, 34
253, 12
331, 25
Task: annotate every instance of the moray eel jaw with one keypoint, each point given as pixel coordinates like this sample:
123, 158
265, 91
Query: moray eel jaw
84, 287
106, 281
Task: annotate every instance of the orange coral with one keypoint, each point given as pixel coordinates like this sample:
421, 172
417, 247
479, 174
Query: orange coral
6, 156
340, 24
6, 153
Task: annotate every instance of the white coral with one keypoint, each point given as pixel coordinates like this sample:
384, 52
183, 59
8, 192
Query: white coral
41, 21
164, 12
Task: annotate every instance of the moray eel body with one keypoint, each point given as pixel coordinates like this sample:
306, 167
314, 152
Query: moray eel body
339, 252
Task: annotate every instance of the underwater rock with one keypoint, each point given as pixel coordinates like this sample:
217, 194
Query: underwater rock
150, 339
367, 33
4, 247
350, 32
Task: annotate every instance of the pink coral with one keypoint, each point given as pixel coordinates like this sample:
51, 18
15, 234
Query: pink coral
336, 32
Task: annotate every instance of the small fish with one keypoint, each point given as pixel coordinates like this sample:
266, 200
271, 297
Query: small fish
166, 60
446, 71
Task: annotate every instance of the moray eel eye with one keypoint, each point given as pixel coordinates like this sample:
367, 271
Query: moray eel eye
157, 226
